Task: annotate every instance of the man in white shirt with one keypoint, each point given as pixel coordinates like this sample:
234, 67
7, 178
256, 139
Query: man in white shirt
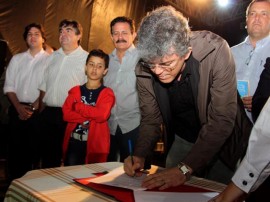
251, 54
254, 169
24, 75
125, 115
65, 69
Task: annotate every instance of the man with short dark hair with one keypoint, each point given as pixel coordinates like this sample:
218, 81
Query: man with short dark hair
65, 69
125, 115
23, 76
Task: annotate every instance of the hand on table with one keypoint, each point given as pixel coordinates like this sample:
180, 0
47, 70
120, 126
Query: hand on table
170, 177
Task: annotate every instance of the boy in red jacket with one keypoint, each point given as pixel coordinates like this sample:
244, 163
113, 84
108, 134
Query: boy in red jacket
87, 109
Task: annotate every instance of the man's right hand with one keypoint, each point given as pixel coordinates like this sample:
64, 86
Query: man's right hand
24, 111
131, 165
247, 101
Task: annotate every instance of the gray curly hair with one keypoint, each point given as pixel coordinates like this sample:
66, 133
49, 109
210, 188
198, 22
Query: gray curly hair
163, 31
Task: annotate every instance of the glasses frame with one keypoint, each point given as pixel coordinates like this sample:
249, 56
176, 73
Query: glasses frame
249, 57
165, 66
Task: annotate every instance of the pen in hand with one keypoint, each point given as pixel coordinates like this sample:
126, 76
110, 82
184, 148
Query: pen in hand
131, 153
130, 148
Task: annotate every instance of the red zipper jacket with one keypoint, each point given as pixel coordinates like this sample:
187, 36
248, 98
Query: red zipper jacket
74, 112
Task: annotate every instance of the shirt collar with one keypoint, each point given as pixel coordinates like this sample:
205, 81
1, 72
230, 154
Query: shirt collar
128, 51
258, 43
38, 54
76, 51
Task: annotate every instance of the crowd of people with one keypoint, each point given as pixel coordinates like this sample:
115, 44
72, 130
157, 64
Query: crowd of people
71, 107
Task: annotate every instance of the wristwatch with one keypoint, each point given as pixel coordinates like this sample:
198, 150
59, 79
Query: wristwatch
184, 169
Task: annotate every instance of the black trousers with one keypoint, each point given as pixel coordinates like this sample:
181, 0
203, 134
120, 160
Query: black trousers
22, 144
52, 129
119, 144
76, 152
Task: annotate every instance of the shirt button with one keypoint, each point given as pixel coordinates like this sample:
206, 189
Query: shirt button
244, 182
251, 175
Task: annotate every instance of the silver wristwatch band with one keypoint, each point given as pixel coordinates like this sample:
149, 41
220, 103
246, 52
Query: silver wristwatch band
184, 169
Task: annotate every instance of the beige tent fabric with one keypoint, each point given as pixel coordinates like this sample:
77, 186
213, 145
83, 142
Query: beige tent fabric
104, 12
94, 15
14, 15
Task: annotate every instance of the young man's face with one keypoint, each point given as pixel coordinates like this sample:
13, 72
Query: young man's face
95, 68
34, 38
258, 20
121, 36
68, 37
168, 67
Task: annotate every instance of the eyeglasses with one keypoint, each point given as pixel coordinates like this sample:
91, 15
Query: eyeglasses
249, 57
169, 66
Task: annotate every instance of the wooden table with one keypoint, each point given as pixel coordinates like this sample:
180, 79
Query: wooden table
56, 184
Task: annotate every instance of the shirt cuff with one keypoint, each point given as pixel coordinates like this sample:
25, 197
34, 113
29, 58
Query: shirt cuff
246, 176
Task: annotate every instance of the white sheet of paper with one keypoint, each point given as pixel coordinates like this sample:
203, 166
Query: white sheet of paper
118, 178
149, 196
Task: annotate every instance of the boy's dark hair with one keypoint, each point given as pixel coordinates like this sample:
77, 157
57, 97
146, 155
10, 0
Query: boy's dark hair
77, 26
123, 19
36, 25
101, 54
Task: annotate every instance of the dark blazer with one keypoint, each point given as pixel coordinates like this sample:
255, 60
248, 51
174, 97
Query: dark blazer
216, 100
262, 92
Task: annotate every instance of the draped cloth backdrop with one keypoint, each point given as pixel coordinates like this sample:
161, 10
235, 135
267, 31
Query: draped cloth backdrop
94, 15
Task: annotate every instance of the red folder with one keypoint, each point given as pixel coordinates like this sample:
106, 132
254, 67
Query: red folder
126, 195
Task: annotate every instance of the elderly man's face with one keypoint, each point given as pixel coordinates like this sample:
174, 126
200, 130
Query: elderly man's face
168, 67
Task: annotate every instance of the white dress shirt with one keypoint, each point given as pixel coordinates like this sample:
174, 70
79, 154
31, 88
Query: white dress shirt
62, 73
24, 75
255, 167
122, 79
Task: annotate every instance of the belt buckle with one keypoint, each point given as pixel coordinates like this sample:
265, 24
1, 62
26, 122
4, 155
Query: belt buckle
78, 136
81, 138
